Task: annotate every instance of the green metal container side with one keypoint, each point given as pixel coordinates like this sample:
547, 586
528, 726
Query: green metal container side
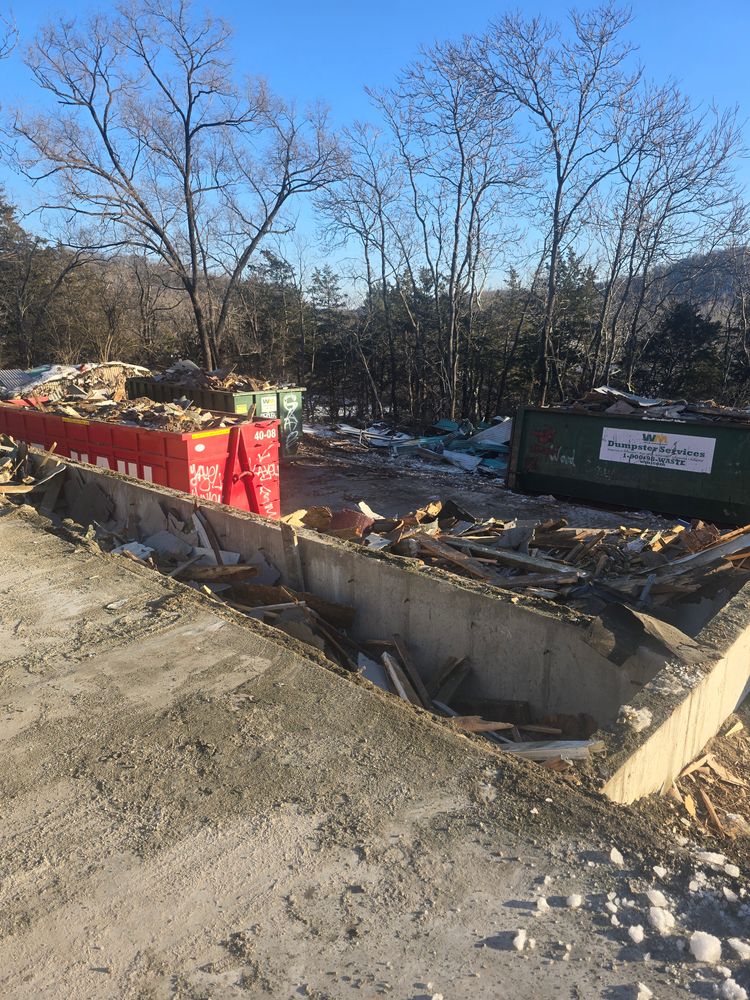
290, 414
687, 469
270, 404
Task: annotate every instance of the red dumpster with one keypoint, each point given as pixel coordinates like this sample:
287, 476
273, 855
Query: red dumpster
236, 465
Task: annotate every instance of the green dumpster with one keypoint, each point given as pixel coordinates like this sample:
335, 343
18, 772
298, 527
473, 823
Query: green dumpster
284, 404
690, 469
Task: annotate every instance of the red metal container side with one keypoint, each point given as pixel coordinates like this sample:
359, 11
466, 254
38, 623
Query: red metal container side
236, 465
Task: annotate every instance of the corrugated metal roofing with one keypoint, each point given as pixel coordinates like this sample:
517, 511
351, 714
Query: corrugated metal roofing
12, 378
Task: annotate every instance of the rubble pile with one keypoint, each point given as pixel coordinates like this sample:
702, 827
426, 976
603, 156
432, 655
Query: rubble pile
70, 381
626, 404
485, 448
188, 375
585, 567
180, 417
21, 478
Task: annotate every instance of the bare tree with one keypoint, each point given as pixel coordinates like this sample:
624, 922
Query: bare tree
8, 35
574, 91
456, 148
154, 142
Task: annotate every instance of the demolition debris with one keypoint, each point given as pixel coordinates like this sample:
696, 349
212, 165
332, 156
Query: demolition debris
587, 568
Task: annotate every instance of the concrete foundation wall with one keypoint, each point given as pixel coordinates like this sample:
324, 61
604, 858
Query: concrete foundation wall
516, 652
691, 720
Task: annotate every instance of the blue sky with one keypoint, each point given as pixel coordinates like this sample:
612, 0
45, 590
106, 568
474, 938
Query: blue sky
331, 50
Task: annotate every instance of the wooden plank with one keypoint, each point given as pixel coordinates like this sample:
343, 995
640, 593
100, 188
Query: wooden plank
436, 548
15, 488
411, 671
399, 680
476, 724
516, 559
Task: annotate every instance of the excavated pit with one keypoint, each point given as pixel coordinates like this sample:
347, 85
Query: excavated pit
563, 664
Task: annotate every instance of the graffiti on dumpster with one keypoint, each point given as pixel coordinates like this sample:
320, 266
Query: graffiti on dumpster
266, 475
544, 448
266, 468
206, 481
290, 416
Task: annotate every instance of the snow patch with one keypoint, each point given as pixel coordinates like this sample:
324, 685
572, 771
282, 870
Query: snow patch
661, 920
742, 948
705, 947
732, 991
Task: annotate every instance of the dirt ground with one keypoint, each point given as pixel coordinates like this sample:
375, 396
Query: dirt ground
193, 808
322, 473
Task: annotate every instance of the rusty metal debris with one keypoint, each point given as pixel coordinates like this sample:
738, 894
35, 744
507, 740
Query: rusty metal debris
626, 404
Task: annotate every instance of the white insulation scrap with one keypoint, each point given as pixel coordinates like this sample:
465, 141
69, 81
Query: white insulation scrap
637, 718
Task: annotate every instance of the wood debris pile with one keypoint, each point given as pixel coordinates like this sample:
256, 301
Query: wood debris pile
71, 381
585, 567
143, 412
189, 375
23, 480
713, 793
627, 404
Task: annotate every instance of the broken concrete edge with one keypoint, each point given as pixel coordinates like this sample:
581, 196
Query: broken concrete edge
688, 703
549, 664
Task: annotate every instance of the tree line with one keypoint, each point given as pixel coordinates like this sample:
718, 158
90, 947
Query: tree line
527, 215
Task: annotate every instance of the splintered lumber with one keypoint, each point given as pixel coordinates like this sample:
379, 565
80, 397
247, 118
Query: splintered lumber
732, 541
689, 768
411, 671
711, 812
399, 680
476, 724
219, 574
337, 615
15, 488
723, 774
509, 557
436, 548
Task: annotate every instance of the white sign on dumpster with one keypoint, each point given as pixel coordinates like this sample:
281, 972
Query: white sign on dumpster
657, 449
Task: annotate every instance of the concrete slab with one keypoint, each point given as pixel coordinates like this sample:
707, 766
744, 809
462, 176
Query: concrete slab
191, 809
